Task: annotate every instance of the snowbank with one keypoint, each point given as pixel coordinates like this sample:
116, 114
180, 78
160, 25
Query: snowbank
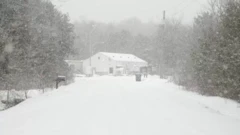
13, 94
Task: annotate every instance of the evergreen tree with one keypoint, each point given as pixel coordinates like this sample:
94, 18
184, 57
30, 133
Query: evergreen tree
38, 38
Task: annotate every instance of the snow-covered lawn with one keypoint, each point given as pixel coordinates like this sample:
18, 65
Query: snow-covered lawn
121, 106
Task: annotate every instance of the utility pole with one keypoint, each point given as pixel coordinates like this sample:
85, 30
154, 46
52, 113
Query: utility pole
90, 44
164, 19
164, 14
160, 66
90, 50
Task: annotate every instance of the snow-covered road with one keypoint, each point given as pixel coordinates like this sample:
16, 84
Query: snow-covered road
121, 106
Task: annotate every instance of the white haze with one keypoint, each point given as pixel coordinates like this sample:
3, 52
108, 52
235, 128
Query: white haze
118, 10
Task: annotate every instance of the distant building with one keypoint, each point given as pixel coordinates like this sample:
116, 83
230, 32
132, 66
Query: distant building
112, 63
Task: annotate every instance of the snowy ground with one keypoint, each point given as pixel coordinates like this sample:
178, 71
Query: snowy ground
121, 106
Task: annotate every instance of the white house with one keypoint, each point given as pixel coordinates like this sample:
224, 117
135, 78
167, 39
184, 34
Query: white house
112, 63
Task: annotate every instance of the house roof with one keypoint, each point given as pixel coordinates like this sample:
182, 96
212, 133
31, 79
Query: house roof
123, 57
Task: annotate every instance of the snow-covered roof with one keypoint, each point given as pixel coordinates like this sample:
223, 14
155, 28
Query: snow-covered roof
73, 61
123, 57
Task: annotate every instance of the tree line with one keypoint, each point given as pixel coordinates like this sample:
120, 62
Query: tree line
216, 58
204, 57
35, 39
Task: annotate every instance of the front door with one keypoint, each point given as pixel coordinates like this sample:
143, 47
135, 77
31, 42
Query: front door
93, 71
111, 70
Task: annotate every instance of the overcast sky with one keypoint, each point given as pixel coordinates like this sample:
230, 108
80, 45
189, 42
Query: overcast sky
117, 10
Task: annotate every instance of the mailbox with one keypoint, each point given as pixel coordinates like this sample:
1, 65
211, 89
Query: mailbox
60, 79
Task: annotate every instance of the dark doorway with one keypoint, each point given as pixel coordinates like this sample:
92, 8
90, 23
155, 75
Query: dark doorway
111, 70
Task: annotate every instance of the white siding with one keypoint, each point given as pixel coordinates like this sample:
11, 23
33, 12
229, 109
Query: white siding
100, 63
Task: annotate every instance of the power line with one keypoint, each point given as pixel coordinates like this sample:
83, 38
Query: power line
179, 4
178, 12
